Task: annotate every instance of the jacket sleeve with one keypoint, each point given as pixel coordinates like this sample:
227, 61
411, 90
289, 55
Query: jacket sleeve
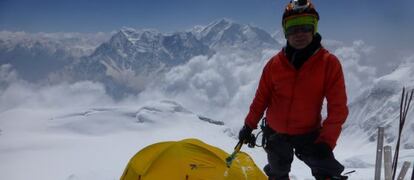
335, 94
261, 99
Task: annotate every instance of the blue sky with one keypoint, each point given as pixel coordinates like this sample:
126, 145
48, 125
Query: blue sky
374, 21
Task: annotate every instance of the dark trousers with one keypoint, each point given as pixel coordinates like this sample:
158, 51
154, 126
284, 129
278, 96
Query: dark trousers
280, 149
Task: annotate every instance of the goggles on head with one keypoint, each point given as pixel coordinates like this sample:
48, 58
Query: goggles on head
308, 20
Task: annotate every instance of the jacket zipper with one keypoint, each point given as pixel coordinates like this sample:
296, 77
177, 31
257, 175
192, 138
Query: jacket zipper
297, 71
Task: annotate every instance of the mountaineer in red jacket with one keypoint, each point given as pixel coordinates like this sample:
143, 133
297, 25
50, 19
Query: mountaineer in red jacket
291, 90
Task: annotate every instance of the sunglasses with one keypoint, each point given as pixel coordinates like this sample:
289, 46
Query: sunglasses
299, 29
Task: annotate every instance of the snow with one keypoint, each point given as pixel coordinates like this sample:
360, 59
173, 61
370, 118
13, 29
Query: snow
92, 144
402, 74
96, 142
226, 34
79, 133
379, 106
358, 77
78, 44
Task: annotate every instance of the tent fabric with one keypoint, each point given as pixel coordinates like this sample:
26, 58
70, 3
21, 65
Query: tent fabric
189, 159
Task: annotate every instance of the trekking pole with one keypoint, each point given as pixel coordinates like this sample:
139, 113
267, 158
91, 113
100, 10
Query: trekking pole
348, 173
406, 99
230, 159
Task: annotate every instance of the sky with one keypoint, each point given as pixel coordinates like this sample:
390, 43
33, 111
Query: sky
342, 19
384, 24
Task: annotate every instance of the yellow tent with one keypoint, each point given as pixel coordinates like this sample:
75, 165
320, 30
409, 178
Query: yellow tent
189, 159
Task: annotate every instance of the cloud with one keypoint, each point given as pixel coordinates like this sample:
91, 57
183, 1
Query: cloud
222, 86
22, 94
7, 74
401, 76
358, 77
210, 84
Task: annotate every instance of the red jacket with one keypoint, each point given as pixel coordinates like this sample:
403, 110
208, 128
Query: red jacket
293, 98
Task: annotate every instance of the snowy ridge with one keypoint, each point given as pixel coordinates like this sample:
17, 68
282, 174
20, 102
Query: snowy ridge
134, 35
197, 29
226, 34
279, 36
50, 51
379, 106
129, 59
75, 44
100, 121
132, 58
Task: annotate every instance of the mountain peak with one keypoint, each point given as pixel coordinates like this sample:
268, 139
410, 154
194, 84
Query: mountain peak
402, 74
219, 24
223, 21
132, 35
225, 33
279, 36
127, 32
196, 29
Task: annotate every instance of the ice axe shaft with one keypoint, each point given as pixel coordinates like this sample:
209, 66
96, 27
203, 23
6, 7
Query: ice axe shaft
232, 156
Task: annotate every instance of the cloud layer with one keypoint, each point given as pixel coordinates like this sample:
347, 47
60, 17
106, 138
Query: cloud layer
221, 86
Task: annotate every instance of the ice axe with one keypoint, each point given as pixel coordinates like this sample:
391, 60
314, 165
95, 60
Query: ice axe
232, 156
251, 143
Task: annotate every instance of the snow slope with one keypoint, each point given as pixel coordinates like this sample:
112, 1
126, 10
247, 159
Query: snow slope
97, 142
380, 106
94, 143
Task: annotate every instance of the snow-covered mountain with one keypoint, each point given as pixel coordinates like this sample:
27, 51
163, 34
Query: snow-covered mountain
34, 60
149, 48
132, 58
76, 44
36, 55
129, 59
226, 34
279, 36
380, 106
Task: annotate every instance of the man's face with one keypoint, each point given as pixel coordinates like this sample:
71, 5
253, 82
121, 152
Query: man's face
300, 36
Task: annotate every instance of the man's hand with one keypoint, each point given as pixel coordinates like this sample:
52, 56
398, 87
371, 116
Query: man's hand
245, 134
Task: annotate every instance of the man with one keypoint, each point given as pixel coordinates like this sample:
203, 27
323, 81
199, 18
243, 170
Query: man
291, 90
